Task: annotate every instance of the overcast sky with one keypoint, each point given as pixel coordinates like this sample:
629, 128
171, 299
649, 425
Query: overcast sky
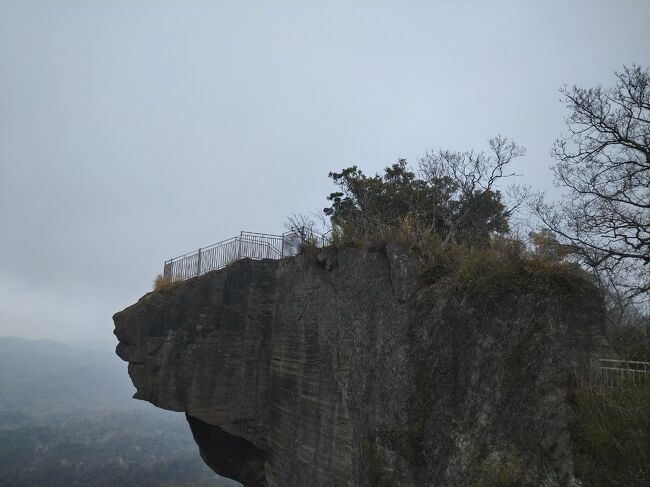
134, 131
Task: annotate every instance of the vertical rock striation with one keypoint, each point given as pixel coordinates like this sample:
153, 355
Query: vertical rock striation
347, 369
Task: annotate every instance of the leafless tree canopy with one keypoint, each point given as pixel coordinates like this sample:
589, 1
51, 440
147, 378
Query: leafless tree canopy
474, 176
471, 170
604, 162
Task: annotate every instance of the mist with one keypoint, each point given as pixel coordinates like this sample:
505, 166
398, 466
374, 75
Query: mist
131, 133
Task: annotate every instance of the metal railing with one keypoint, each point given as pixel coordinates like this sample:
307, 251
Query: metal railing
609, 371
247, 245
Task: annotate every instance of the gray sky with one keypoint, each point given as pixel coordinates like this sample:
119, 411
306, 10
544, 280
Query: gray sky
133, 131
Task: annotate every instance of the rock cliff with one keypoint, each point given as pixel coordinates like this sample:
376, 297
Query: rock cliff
348, 369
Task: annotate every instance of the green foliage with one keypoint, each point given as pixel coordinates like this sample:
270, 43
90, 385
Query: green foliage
451, 213
376, 207
613, 434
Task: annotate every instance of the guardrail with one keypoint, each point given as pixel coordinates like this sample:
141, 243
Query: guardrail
249, 245
609, 371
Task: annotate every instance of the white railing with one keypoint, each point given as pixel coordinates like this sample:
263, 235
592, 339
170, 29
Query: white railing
247, 245
609, 371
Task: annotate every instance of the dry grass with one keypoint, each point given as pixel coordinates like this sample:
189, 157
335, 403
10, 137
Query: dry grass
162, 283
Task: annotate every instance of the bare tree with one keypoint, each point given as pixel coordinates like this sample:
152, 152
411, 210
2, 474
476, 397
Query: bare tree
604, 163
306, 230
472, 177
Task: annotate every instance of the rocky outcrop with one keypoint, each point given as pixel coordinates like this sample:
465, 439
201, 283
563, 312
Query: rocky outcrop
347, 369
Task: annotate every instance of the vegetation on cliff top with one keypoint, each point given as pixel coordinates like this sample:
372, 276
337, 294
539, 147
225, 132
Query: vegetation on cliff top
457, 198
451, 212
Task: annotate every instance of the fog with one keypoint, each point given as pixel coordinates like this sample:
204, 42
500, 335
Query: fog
131, 132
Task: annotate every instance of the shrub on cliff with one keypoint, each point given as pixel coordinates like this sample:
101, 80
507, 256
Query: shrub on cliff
454, 195
163, 283
451, 212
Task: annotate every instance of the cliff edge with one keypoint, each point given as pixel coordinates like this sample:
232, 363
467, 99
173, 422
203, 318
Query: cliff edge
349, 368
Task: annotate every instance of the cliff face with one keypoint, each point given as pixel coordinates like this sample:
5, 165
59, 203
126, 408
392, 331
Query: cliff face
347, 369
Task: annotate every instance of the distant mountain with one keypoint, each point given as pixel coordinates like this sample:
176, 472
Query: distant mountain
67, 419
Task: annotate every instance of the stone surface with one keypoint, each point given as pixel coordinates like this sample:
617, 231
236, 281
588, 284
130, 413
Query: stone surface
346, 369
